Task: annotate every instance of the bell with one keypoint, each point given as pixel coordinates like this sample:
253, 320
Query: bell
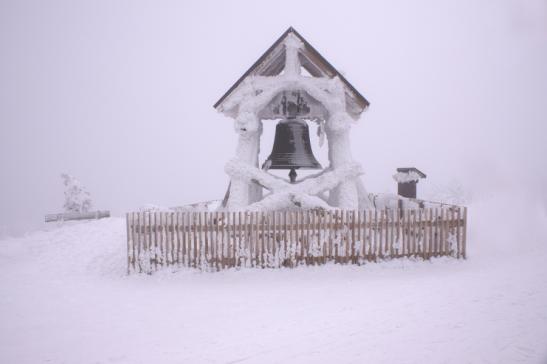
292, 148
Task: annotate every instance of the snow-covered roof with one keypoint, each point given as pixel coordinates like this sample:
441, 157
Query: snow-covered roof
411, 169
273, 62
405, 175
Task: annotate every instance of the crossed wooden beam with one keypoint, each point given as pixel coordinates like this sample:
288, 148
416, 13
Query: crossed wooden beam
305, 194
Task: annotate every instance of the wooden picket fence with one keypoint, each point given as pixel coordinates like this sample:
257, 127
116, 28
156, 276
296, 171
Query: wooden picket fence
220, 240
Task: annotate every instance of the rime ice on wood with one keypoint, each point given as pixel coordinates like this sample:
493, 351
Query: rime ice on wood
273, 88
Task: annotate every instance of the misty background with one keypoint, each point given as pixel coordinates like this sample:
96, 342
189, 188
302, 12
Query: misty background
120, 94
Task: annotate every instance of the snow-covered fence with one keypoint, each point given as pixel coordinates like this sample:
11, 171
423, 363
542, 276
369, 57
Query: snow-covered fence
219, 240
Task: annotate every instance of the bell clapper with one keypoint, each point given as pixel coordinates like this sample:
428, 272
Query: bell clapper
292, 175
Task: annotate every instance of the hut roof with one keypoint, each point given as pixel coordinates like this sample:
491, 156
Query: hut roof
272, 63
411, 169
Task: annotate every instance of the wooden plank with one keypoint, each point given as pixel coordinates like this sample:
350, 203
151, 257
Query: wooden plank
173, 238
438, 240
349, 236
267, 254
390, 228
425, 234
238, 220
464, 238
236, 228
155, 224
147, 242
366, 235
170, 239
450, 228
405, 233
431, 236
185, 227
226, 255
225, 236
194, 254
127, 222
189, 239
346, 235
252, 238
262, 238
374, 226
352, 232
175, 242
409, 233
248, 225
163, 241
324, 239
421, 234
330, 228
204, 254
217, 242
375, 248
335, 240
210, 251
343, 236
274, 260
417, 251
138, 240
134, 242
165, 227
256, 240
357, 237
161, 227
320, 247
149, 225
201, 240
146, 251
303, 241
443, 233
285, 238
183, 248
457, 232
380, 228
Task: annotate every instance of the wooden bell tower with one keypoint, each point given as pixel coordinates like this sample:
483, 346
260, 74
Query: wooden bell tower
331, 101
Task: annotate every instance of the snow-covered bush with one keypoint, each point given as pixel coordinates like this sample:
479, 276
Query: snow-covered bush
77, 198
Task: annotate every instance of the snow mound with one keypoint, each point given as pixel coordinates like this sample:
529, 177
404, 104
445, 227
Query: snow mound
96, 247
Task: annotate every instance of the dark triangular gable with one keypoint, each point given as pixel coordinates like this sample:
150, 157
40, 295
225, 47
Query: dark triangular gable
272, 63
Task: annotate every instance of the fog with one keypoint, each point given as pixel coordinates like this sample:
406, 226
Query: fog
120, 94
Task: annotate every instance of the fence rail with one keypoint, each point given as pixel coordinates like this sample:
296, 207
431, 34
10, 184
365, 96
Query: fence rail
219, 240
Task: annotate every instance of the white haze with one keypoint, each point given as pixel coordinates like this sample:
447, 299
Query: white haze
120, 94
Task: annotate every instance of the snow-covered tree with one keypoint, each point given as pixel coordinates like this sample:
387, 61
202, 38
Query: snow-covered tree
77, 198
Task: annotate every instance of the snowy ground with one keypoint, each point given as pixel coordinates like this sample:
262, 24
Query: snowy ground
65, 298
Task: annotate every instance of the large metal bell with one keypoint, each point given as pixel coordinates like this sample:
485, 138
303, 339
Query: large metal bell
292, 148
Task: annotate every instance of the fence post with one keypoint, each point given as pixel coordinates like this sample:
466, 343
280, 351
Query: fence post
464, 248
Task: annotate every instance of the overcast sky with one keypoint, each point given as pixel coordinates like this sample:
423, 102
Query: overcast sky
120, 94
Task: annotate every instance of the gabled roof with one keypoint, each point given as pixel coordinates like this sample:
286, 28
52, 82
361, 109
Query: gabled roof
411, 169
272, 63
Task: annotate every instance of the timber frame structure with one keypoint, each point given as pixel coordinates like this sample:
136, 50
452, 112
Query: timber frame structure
292, 65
